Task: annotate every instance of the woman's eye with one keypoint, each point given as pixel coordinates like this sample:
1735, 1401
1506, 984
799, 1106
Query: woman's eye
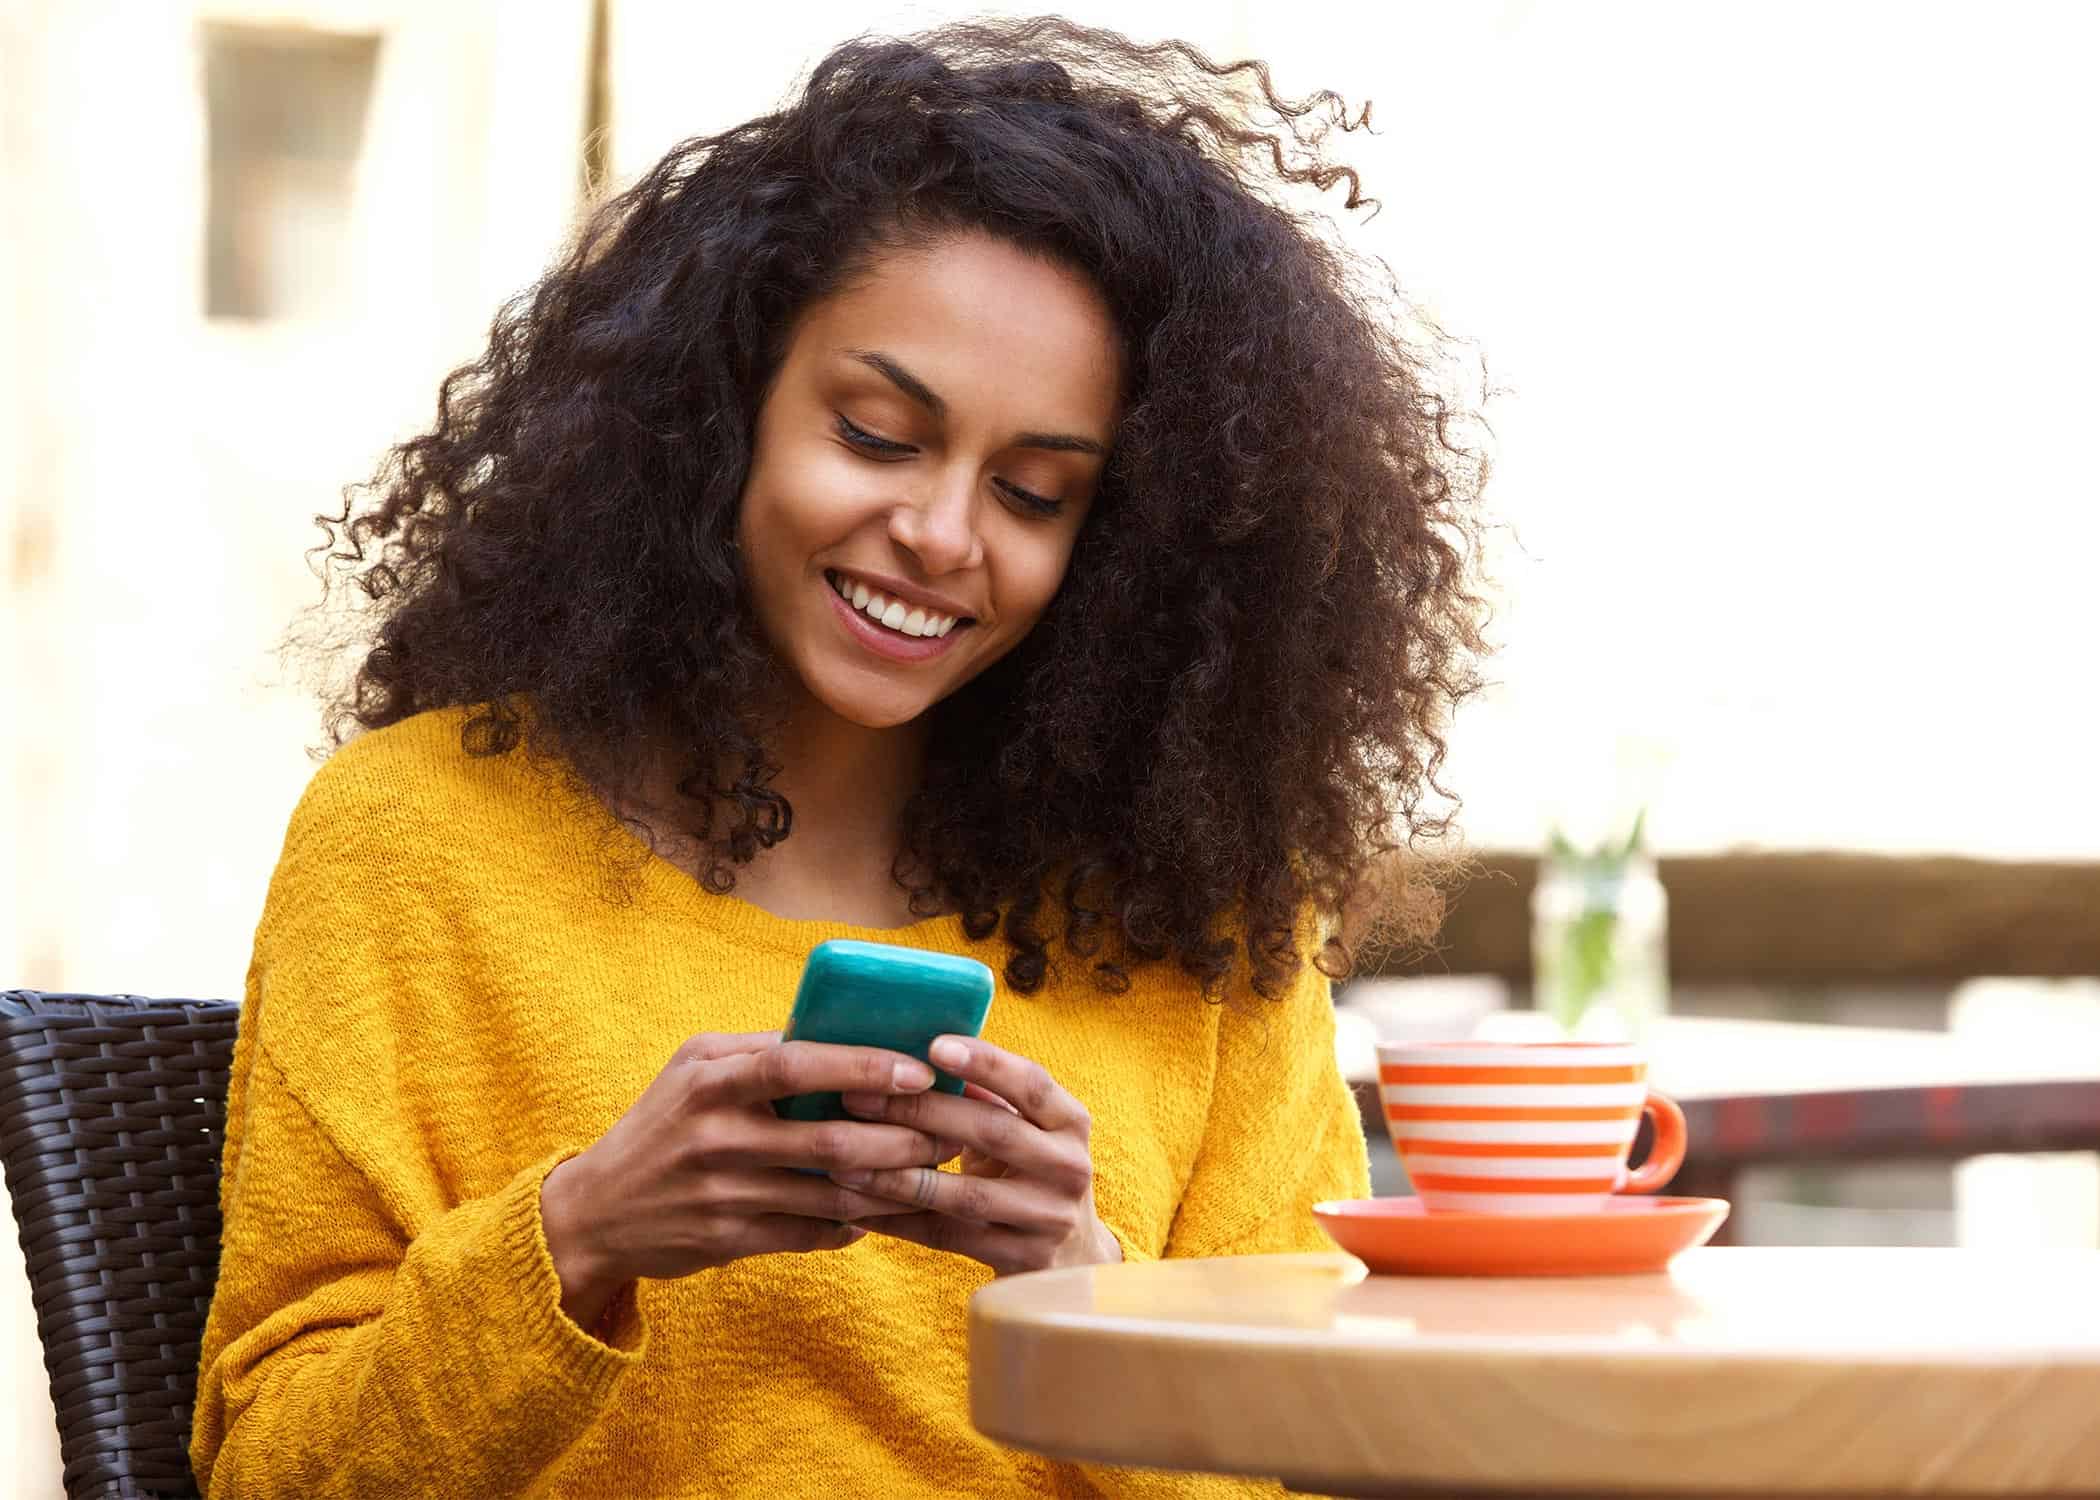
1033, 503
863, 439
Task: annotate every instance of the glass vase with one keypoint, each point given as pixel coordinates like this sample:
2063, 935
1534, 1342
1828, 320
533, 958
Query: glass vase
1600, 946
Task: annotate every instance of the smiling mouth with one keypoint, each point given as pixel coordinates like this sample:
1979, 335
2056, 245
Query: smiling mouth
909, 620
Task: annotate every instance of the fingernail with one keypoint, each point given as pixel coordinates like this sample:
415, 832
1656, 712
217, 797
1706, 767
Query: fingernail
863, 1104
912, 1074
949, 1053
853, 1179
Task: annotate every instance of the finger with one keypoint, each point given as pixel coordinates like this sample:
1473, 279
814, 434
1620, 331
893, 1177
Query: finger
1004, 1250
811, 1068
764, 1140
1014, 1202
952, 1149
769, 1194
1035, 1095
978, 1091
716, 1044
985, 1128
771, 1234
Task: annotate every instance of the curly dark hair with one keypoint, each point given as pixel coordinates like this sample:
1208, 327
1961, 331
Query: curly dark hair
1232, 714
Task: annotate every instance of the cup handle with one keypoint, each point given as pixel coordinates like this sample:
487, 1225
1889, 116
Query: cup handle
1667, 1154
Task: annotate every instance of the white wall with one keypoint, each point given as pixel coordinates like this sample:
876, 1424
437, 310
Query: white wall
1795, 307
173, 464
681, 70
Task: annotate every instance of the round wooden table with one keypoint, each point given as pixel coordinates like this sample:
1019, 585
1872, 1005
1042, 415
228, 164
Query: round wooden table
1808, 1371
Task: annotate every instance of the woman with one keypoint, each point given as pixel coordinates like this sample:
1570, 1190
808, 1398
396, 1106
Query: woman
958, 510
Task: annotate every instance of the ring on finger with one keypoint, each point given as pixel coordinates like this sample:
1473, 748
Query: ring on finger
928, 1187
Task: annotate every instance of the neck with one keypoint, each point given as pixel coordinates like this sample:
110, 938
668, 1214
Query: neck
848, 785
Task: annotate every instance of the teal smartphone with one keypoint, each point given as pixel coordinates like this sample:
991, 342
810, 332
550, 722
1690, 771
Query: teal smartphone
881, 995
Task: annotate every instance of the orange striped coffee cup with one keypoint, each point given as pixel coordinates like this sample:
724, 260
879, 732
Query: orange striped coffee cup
1524, 1127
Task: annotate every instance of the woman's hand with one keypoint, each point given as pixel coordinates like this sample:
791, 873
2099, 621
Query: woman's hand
697, 1173
1024, 1199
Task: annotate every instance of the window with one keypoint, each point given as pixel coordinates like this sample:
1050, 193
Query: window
285, 112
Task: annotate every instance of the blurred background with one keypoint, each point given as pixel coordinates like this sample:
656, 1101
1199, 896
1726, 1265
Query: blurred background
1782, 315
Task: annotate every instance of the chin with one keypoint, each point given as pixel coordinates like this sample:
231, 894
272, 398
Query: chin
868, 705
879, 718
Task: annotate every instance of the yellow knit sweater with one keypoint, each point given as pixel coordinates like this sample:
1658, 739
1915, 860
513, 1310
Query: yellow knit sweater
443, 1004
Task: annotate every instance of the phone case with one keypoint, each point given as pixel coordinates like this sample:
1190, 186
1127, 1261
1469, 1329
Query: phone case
882, 995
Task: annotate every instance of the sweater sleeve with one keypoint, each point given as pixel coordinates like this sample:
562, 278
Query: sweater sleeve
1283, 1132
370, 1334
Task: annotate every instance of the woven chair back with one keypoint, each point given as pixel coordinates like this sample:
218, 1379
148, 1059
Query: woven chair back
112, 1115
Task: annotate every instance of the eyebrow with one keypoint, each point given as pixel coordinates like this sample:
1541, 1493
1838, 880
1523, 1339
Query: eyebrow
921, 392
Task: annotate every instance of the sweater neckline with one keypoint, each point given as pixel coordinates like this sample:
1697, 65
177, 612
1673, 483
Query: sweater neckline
747, 922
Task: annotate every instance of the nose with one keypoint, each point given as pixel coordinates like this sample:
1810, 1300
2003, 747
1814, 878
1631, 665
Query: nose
938, 525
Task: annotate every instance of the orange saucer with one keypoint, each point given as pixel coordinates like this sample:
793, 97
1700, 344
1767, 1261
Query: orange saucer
1397, 1236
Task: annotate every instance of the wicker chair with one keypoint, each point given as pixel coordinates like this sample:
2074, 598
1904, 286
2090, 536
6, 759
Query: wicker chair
112, 1110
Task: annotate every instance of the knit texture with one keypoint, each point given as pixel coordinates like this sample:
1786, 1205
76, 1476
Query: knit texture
452, 991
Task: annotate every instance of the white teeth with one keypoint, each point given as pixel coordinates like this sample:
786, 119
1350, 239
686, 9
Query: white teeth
906, 620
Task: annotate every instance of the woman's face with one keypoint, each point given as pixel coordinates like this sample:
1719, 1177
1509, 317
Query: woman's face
928, 452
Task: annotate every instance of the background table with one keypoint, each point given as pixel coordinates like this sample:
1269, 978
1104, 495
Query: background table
1809, 1371
1709, 1057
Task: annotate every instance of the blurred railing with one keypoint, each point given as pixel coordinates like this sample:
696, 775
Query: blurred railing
1814, 922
